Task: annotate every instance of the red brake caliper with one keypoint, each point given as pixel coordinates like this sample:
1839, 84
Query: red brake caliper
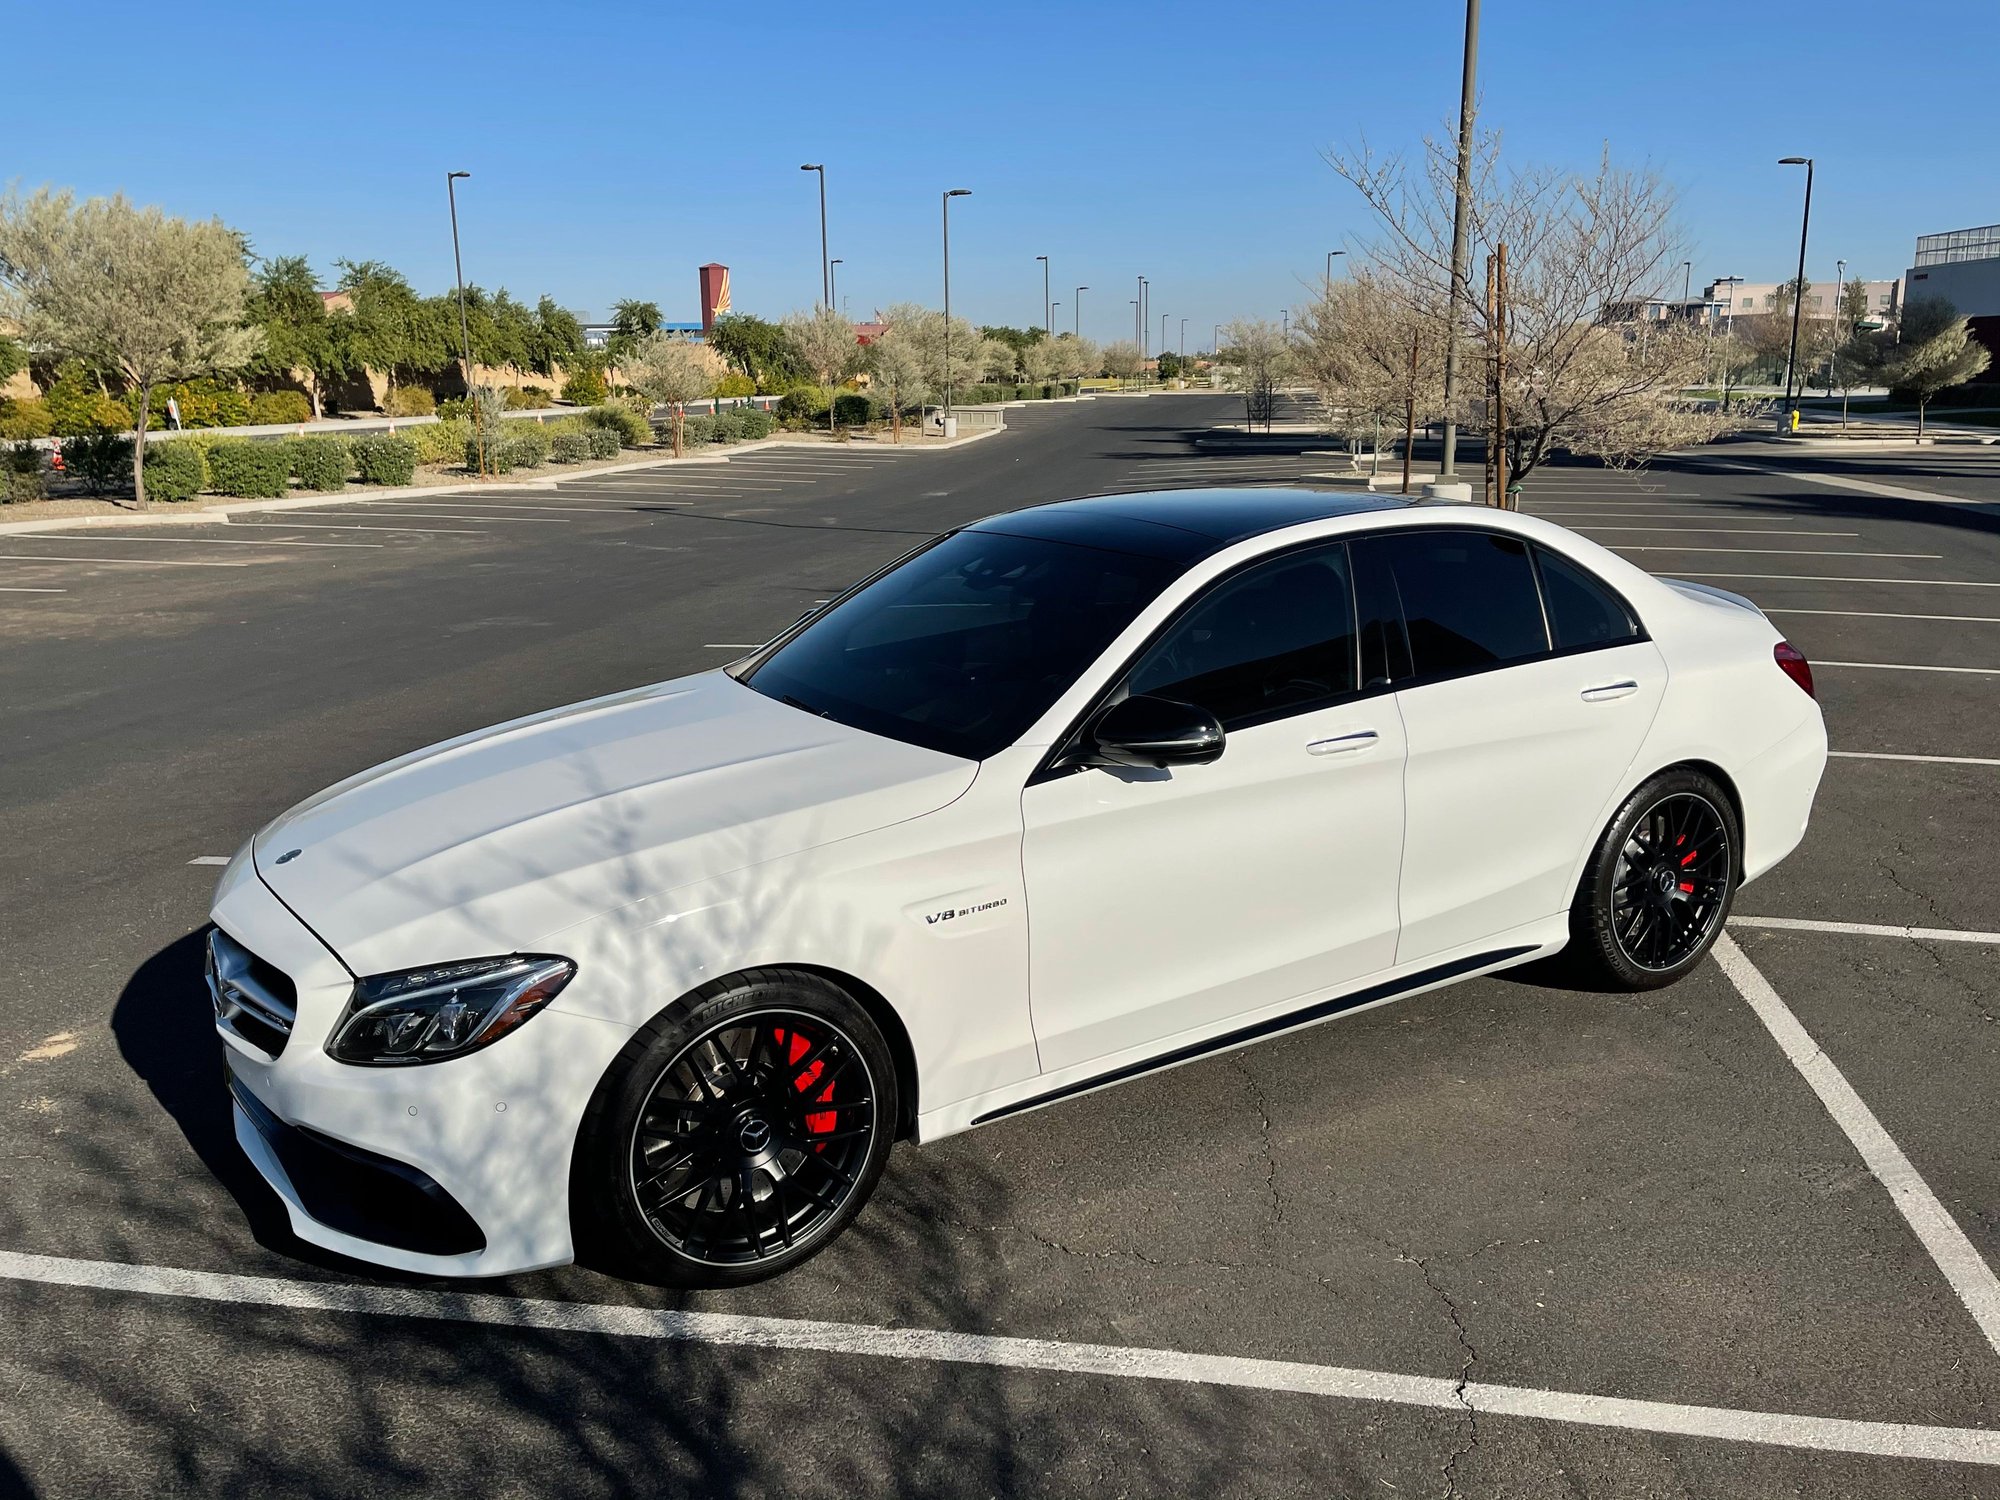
1685, 885
820, 1123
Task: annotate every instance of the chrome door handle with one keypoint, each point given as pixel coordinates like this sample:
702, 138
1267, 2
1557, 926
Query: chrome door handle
1344, 744
1607, 691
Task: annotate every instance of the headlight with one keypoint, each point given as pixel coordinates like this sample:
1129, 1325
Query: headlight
428, 1015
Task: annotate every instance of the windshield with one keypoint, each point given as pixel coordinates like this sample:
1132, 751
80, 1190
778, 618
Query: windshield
964, 645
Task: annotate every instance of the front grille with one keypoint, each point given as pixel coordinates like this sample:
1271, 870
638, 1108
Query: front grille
255, 1001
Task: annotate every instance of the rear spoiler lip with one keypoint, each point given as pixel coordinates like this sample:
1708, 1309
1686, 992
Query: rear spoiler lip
1705, 593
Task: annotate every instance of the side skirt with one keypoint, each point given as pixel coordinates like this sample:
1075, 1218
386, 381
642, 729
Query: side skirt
1318, 1011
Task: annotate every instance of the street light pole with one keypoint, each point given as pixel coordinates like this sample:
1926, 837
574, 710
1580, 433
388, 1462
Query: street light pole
1728, 330
1461, 249
1140, 319
1799, 286
1833, 344
458, 271
832, 281
1048, 307
1329, 268
949, 194
825, 267
1076, 313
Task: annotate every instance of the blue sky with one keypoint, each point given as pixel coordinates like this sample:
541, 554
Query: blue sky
614, 147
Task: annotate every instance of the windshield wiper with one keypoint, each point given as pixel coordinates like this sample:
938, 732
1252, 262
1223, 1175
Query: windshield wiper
818, 713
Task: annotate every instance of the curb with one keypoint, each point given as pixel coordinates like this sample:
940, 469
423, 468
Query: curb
223, 512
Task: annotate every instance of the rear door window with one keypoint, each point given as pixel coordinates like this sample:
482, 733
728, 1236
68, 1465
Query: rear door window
1583, 611
1469, 598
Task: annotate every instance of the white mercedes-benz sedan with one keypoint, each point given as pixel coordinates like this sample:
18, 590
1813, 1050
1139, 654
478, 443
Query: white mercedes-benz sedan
1062, 798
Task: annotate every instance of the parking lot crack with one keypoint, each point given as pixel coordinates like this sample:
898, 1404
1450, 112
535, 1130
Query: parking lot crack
1264, 1138
1459, 1331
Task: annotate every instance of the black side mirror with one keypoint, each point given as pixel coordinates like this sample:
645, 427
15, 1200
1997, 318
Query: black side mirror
1143, 731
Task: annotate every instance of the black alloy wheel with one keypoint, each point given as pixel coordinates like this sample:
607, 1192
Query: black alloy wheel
1659, 885
742, 1134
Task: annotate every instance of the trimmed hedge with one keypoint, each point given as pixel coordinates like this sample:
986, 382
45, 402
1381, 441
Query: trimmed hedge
603, 442
855, 409
585, 388
102, 460
274, 407
753, 423
386, 460
175, 470
409, 401
321, 463
802, 403
250, 471
570, 447
527, 442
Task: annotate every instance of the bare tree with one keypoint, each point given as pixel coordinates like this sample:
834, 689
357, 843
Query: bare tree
1264, 359
127, 289
1937, 352
896, 368
673, 372
1578, 246
1122, 360
826, 343
1370, 355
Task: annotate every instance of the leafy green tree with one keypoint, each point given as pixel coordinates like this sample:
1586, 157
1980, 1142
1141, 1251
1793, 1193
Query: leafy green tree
631, 321
1937, 352
1853, 304
13, 358
558, 340
394, 330
758, 348
825, 341
299, 335
896, 370
153, 298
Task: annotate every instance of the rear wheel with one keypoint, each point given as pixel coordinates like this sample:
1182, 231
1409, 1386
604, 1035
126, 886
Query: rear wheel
740, 1132
1659, 884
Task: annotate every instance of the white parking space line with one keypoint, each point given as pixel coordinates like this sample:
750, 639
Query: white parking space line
203, 541
1783, 552
314, 526
1867, 487
665, 482
938, 1346
732, 645
209, 859
32, 591
127, 562
1877, 614
1868, 929
1904, 666
1936, 760
1935, 583
576, 504
430, 515
1953, 1253
1719, 531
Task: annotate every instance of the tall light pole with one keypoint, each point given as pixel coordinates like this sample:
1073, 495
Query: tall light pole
1799, 286
825, 267
1048, 307
1076, 312
1135, 315
1461, 249
1728, 329
832, 281
948, 195
1140, 320
1184, 340
1215, 343
458, 270
1163, 333
1687, 285
1329, 267
1052, 310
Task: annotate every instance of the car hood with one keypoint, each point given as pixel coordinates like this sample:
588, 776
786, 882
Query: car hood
493, 842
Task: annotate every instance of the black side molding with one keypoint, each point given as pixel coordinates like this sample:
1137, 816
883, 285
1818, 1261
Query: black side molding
1318, 1011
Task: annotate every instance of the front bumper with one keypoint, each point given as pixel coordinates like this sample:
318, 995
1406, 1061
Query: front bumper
459, 1168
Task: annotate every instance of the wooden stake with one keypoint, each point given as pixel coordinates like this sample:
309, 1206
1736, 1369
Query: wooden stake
1491, 372
1500, 375
1410, 414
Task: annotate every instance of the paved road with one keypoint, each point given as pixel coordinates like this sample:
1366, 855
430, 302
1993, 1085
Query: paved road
1523, 1187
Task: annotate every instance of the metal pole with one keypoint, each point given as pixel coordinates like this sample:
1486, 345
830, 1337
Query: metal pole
1410, 414
949, 194
1048, 309
464, 338
1461, 250
1500, 378
825, 268
1687, 284
1799, 286
1076, 313
1833, 344
832, 280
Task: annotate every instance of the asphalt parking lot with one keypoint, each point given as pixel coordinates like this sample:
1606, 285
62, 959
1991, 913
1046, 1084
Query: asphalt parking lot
1735, 1238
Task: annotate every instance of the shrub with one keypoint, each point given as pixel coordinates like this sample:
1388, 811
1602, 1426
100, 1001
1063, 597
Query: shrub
855, 409
628, 422
527, 442
570, 447
386, 460
754, 423
585, 388
802, 403
321, 463
409, 401
203, 403
603, 442
175, 470
697, 430
499, 458
442, 441
736, 384
457, 406
20, 473
523, 398
27, 417
102, 460
248, 470
76, 405
275, 408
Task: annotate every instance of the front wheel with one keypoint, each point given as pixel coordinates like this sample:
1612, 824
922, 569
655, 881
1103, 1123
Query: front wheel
739, 1133
1659, 884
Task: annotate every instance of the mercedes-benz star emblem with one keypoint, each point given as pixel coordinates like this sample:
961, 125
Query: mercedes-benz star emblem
288, 856
754, 1134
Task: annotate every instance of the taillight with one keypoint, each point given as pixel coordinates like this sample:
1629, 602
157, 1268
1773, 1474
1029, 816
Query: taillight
1792, 662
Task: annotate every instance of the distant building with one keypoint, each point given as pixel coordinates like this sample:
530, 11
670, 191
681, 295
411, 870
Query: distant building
1746, 298
596, 335
1962, 266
